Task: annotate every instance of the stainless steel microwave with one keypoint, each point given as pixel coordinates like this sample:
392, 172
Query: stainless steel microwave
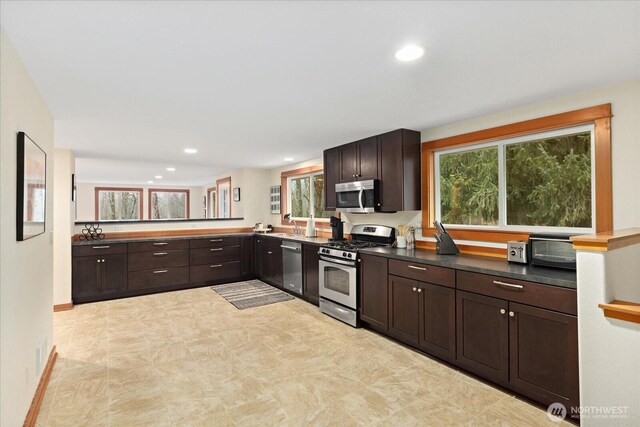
358, 196
552, 250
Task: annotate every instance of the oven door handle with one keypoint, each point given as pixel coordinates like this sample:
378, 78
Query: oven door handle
338, 261
360, 198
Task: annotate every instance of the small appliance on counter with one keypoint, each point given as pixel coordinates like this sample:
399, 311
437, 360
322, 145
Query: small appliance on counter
444, 243
552, 250
337, 229
517, 252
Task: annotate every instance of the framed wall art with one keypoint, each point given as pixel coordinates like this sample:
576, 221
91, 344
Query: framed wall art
31, 188
236, 194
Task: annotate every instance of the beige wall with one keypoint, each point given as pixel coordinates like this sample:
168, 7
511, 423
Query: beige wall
26, 268
63, 217
625, 137
86, 199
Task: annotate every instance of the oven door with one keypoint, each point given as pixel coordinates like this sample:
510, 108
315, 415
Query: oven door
338, 281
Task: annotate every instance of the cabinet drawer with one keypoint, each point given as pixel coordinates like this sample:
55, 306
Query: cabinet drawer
99, 248
158, 245
158, 259
214, 272
213, 242
215, 255
544, 296
158, 277
423, 272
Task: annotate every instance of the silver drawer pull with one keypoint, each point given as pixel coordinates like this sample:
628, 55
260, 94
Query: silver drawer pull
159, 253
101, 247
160, 244
418, 268
508, 285
290, 247
215, 249
216, 266
215, 240
160, 271
269, 252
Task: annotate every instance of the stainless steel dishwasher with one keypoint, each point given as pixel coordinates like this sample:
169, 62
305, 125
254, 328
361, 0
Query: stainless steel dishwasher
292, 266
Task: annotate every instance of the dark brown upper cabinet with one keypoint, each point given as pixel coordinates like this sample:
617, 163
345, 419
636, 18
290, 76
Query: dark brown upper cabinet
393, 158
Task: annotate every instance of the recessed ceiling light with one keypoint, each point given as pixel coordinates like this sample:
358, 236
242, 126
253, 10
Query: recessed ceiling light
158, 177
190, 150
149, 182
171, 169
288, 159
409, 53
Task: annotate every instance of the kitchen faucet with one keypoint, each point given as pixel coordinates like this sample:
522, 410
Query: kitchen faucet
296, 228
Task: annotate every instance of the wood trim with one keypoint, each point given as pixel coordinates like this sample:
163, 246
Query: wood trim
172, 233
34, 409
302, 171
468, 249
604, 185
97, 190
608, 240
218, 183
555, 121
209, 191
63, 307
599, 115
170, 190
622, 310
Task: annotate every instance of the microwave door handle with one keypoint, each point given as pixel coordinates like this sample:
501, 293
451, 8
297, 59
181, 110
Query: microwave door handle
360, 198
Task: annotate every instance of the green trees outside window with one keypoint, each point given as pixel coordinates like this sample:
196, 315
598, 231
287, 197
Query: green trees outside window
168, 205
118, 205
306, 196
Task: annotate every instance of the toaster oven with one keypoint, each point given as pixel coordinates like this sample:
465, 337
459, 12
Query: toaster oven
552, 250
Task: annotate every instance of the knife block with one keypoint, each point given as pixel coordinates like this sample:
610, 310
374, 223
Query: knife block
446, 245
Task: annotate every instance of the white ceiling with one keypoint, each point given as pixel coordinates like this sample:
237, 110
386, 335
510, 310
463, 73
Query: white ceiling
249, 83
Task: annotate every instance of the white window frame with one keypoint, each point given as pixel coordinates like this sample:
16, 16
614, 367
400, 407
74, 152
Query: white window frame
311, 200
502, 183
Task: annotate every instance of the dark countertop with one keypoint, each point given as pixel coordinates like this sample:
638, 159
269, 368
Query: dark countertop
480, 264
149, 239
302, 239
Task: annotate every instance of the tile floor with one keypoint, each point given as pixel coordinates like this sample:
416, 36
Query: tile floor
191, 358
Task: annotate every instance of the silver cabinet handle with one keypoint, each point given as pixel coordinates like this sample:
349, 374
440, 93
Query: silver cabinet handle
215, 249
508, 285
101, 247
103, 260
511, 314
269, 252
419, 289
418, 268
160, 244
503, 311
216, 266
215, 240
159, 271
415, 289
98, 261
159, 253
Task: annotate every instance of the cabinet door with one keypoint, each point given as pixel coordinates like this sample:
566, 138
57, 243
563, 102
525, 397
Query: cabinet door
276, 265
438, 320
311, 273
367, 164
374, 308
331, 177
348, 162
114, 277
391, 171
403, 309
544, 354
87, 276
259, 257
482, 336
246, 256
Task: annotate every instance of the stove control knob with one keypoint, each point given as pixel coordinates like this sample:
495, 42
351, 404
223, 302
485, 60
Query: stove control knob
349, 255
344, 254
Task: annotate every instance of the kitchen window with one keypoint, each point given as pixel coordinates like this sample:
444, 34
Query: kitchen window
540, 182
499, 184
306, 196
168, 204
118, 204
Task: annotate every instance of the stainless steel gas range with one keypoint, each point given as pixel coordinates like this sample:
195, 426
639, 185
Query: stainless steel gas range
339, 270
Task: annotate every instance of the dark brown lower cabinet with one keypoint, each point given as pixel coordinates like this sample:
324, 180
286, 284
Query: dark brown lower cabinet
94, 276
160, 278
438, 320
544, 354
269, 260
483, 338
247, 259
311, 273
404, 309
374, 292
